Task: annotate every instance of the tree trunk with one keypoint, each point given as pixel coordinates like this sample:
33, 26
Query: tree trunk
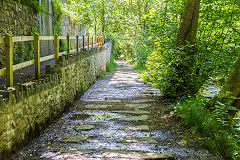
103, 20
187, 82
188, 29
233, 85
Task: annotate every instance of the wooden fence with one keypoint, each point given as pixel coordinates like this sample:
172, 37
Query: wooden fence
8, 40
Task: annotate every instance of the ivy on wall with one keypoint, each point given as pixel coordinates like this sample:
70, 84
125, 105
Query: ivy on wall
31, 3
57, 23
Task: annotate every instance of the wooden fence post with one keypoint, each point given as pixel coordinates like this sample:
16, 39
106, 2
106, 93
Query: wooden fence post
92, 41
83, 42
77, 43
98, 40
37, 56
56, 39
95, 41
68, 44
9, 60
88, 42
103, 39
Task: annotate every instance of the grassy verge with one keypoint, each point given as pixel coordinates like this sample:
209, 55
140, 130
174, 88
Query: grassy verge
217, 134
212, 127
111, 66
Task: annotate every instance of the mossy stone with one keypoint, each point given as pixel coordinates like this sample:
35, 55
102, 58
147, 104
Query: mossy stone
143, 100
84, 127
132, 112
138, 105
137, 128
75, 139
75, 151
134, 118
97, 106
135, 155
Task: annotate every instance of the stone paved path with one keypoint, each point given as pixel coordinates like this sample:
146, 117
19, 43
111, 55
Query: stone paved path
115, 119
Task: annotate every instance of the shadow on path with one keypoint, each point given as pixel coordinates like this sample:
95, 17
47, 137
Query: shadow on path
119, 117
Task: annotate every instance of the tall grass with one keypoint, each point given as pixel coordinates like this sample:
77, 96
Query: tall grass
217, 135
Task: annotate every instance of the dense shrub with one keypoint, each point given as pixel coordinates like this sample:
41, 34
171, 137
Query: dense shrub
218, 135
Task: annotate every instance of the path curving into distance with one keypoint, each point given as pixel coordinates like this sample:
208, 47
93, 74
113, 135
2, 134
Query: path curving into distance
119, 117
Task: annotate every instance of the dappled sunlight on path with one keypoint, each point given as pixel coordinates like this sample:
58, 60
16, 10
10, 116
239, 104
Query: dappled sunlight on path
119, 117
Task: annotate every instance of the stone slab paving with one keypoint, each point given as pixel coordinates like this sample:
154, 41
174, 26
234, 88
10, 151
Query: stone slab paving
138, 140
111, 121
95, 106
134, 118
74, 139
84, 127
122, 84
132, 112
135, 155
137, 128
138, 105
143, 100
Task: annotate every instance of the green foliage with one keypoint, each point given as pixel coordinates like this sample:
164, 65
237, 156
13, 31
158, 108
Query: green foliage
102, 116
102, 74
110, 67
84, 86
31, 3
78, 10
1, 62
116, 50
213, 127
62, 45
23, 52
57, 15
218, 47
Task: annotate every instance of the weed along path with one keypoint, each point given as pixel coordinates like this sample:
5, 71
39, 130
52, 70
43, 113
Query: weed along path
119, 117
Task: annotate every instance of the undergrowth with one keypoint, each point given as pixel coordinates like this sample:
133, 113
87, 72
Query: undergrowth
102, 74
218, 134
111, 66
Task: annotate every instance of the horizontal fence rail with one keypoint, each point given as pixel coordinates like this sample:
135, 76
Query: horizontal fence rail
8, 40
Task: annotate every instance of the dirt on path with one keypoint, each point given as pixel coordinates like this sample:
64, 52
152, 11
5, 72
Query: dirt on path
119, 117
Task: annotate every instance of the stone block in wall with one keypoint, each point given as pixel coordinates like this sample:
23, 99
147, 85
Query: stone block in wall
16, 19
43, 100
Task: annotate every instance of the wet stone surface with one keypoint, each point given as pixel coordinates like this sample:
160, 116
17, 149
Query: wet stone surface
119, 117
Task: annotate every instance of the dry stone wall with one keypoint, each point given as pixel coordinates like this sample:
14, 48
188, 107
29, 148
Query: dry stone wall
18, 20
25, 109
69, 27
